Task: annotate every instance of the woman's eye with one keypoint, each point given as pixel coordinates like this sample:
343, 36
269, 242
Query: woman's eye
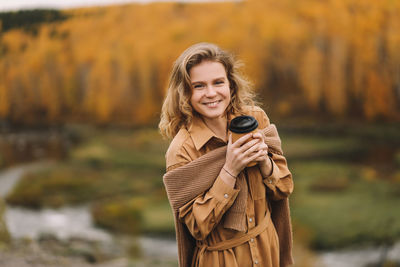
198, 86
219, 82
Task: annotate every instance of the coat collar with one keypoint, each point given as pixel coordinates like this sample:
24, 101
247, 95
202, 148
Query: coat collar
200, 132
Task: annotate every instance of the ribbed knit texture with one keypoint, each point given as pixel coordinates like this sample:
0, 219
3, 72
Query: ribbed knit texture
235, 217
187, 182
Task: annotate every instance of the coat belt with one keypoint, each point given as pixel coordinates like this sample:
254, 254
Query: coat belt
237, 240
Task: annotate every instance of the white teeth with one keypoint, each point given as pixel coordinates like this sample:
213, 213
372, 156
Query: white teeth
212, 104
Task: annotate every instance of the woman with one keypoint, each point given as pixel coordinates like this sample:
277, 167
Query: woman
222, 208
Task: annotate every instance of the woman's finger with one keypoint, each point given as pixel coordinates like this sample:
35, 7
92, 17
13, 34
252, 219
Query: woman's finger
230, 139
263, 146
254, 148
249, 144
242, 140
258, 135
261, 157
258, 156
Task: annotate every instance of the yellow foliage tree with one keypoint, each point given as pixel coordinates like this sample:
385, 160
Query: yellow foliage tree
111, 64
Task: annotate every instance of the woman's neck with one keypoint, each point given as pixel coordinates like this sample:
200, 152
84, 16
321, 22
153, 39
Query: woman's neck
218, 126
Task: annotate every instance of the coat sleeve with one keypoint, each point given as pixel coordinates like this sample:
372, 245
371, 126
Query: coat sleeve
280, 183
204, 212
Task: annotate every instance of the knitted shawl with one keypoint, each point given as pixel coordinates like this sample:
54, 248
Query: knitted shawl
189, 181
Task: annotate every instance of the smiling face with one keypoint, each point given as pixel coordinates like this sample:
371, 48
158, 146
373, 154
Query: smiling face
210, 89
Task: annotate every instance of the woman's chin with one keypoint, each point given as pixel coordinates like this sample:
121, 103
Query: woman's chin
212, 115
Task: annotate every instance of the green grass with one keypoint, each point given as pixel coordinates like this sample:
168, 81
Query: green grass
158, 219
364, 211
297, 146
347, 185
4, 234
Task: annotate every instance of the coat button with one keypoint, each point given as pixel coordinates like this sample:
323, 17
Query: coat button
251, 220
226, 195
252, 240
256, 262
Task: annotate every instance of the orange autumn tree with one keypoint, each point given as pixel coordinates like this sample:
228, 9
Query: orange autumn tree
111, 64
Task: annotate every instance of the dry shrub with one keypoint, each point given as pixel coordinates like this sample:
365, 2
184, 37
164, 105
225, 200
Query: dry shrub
119, 215
330, 184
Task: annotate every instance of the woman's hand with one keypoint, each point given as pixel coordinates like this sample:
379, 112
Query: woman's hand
250, 147
264, 161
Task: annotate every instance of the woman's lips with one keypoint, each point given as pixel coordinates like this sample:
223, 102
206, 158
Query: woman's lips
212, 104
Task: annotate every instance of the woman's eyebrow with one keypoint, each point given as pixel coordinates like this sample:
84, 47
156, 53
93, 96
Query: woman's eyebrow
219, 78
197, 82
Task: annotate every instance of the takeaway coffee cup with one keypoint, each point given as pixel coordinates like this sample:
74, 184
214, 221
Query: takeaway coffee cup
241, 126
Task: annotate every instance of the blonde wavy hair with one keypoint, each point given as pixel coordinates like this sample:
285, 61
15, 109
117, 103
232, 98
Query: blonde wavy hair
177, 111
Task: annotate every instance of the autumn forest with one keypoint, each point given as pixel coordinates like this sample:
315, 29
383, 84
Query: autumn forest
338, 59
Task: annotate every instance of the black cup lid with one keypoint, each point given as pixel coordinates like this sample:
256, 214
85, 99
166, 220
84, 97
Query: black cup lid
243, 124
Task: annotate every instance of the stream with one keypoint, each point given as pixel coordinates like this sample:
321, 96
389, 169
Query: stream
76, 223
69, 222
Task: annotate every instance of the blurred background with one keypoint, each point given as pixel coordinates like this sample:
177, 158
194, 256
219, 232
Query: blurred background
81, 159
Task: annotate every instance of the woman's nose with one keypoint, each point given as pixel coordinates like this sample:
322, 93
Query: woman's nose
210, 91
